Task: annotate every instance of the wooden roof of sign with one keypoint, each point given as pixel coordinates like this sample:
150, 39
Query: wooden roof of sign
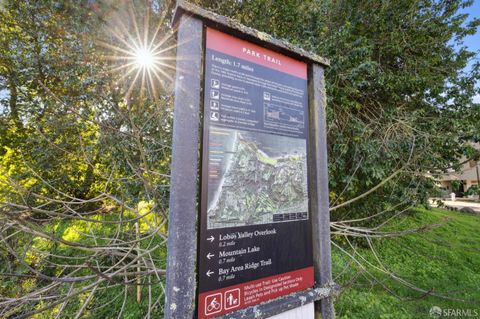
241, 31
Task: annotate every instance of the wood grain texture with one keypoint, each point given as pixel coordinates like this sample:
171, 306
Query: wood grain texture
182, 225
319, 200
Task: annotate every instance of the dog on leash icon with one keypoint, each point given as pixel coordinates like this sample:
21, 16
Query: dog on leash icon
232, 298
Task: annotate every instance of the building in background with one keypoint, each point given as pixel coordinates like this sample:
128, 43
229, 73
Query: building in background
460, 181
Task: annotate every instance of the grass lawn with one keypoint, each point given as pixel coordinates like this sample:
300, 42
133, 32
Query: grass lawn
444, 261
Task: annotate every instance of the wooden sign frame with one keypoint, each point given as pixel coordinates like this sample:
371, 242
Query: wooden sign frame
181, 286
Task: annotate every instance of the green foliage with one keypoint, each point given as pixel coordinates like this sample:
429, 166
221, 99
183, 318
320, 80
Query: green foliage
85, 151
441, 261
47, 59
473, 190
456, 185
398, 93
80, 164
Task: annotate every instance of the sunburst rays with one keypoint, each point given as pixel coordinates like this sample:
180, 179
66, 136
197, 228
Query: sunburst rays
141, 50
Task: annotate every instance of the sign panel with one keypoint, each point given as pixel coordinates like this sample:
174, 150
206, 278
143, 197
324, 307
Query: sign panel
255, 230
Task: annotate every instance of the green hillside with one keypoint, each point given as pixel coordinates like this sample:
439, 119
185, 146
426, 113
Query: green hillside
444, 261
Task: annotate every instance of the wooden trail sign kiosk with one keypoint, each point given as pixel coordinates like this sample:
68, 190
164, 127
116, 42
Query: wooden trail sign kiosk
249, 226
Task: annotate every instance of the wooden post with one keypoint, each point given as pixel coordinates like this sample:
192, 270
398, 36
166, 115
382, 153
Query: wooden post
319, 189
182, 225
181, 283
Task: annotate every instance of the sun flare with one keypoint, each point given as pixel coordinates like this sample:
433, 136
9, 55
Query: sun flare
141, 53
144, 58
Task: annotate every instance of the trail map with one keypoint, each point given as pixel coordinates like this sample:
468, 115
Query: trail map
260, 184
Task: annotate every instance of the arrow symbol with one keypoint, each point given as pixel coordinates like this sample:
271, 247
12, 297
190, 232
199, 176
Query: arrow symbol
209, 273
209, 256
211, 239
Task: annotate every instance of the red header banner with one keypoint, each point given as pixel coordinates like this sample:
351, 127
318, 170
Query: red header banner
241, 49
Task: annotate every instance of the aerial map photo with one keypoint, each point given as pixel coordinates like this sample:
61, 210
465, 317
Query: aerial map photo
255, 178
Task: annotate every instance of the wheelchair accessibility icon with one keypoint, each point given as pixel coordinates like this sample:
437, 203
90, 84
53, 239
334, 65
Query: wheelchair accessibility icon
213, 304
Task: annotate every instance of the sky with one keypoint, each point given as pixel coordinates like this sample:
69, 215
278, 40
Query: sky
473, 42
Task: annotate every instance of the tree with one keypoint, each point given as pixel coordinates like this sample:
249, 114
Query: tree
85, 142
84, 160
